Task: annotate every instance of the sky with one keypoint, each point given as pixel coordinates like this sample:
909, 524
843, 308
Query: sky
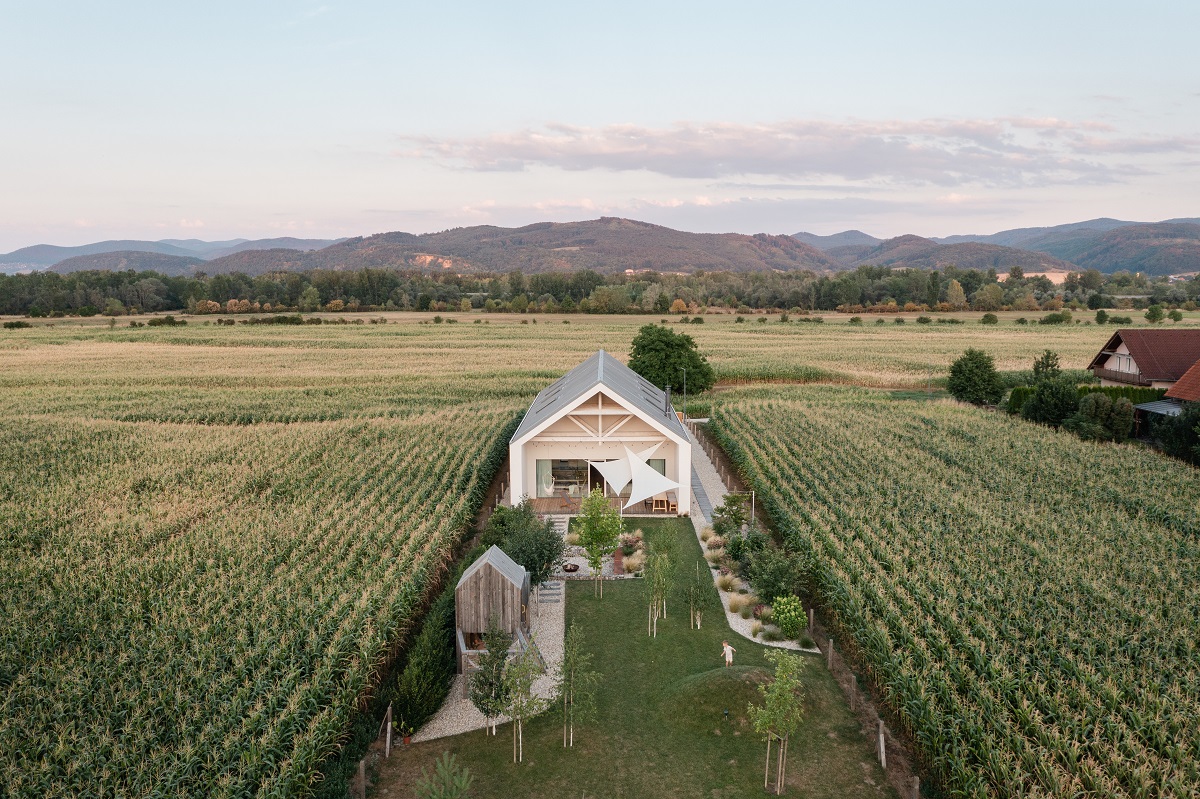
219, 120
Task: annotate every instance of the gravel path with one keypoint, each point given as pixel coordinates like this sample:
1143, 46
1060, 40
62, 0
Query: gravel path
703, 468
458, 715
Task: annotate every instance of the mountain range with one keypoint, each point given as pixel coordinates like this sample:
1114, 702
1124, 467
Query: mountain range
611, 244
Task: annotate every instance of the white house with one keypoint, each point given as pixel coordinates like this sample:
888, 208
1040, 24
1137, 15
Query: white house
602, 425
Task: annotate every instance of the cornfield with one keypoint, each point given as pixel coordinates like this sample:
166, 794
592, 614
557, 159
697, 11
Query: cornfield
195, 600
1027, 603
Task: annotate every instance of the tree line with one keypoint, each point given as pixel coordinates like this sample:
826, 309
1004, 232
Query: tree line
867, 288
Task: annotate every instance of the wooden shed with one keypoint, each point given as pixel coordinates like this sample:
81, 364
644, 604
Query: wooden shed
493, 587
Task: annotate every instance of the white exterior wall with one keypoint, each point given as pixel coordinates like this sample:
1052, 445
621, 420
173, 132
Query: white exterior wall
523, 456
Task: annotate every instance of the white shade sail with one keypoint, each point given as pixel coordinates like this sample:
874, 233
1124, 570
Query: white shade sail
617, 473
646, 481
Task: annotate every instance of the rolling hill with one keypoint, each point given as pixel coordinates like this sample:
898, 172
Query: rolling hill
920, 253
124, 260
847, 238
41, 256
1165, 248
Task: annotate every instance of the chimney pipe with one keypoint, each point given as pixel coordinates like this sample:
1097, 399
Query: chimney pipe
667, 401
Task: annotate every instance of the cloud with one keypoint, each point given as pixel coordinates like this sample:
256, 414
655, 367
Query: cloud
1009, 152
191, 223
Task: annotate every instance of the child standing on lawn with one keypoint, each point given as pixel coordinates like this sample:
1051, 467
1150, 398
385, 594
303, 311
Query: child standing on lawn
728, 652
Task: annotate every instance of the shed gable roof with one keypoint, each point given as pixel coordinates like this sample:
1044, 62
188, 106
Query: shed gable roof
1187, 388
501, 562
600, 371
1159, 354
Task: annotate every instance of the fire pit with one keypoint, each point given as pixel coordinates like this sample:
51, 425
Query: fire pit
570, 568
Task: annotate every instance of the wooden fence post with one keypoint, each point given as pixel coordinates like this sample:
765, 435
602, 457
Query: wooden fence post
387, 746
916, 788
853, 690
362, 779
810, 621
829, 656
882, 748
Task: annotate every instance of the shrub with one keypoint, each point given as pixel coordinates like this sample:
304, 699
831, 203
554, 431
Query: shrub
739, 319
716, 542
738, 602
697, 320
925, 320
989, 319
973, 378
1101, 418
726, 582
774, 573
857, 320
166, 321
789, 615
949, 321
1154, 314
1101, 316
1175, 315
756, 628
1056, 318
1022, 321
771, 633
16, 325
1179, 436
572, 539
634, 563
899, 320
429, 671
1052, 402
1120, 320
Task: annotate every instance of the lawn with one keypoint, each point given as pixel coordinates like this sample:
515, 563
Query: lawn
661, 729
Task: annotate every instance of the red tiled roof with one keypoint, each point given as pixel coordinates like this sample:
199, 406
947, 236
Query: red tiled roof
1188, 386
1159, 354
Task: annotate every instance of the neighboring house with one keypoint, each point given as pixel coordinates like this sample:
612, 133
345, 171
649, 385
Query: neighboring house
1156, 358
493, 589
1186, 389
602, 425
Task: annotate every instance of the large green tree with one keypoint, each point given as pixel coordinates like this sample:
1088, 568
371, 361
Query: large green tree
973, 378
663, 356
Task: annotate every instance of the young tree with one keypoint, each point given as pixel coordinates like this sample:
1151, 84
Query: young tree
522, 702
973, 378
663, 356
599, 526
449, 780
656, 577
488, 690
576, 684
730, 515
1155, 314
780, 713
1045, 367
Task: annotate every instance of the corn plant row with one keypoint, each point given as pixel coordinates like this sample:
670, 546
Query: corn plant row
1025, 602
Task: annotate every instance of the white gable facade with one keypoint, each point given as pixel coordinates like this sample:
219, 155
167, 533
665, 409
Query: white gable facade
603, 426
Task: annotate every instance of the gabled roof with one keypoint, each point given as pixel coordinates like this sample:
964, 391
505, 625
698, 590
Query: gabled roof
501, 562
1187, 388
600, 370
1159, 354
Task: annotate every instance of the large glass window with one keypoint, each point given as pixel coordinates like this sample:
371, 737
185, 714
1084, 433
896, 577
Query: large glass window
556, 476
659, 465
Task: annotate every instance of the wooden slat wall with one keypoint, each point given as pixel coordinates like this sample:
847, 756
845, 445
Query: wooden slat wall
485, 594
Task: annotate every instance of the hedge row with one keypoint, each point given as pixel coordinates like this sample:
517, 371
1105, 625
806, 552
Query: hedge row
1135, 394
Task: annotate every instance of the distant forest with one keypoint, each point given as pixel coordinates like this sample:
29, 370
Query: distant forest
867, 288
